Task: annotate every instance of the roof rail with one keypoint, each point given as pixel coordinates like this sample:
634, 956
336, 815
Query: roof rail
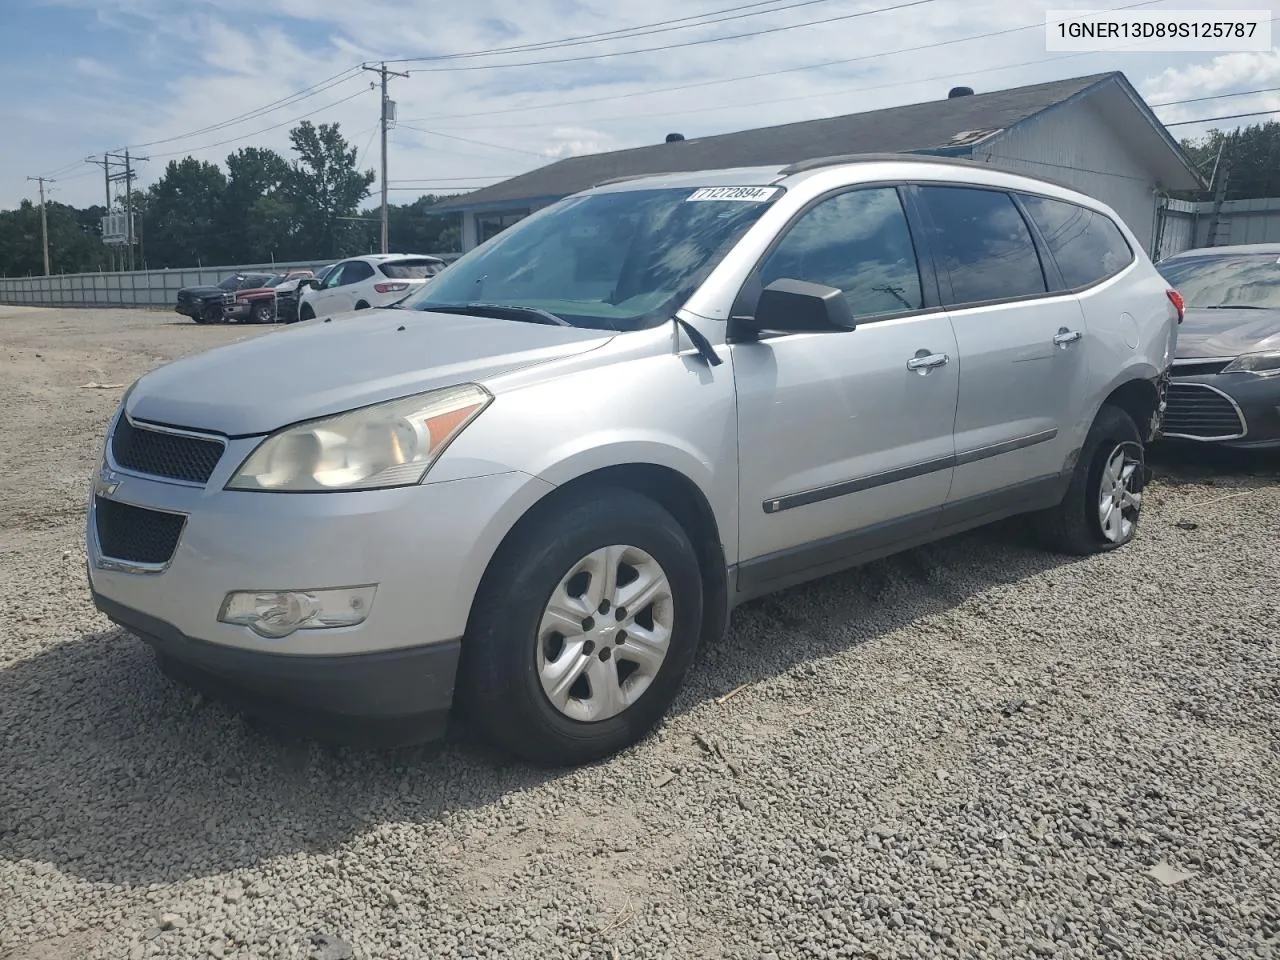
818, 163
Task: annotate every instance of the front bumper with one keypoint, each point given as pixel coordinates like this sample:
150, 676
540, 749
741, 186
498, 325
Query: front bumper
424, 547
1237, 410
397, 696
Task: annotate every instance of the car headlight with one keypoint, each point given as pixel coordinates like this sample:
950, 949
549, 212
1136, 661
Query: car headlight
390, 444
1264, 364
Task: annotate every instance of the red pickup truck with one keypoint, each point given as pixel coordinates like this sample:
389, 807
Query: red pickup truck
259, 304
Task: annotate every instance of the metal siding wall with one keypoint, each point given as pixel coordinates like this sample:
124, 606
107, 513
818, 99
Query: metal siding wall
1073, 146
141, 288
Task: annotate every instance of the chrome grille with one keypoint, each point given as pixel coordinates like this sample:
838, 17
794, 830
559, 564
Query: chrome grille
1197, 411
134, 534
161, 454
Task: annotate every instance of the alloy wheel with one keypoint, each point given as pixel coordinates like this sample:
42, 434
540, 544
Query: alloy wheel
1120, 494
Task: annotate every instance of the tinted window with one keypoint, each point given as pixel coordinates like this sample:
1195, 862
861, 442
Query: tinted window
411, 269
1087, 246
859, 242
254, 281
1228, 280
230, 283
356, 271
983, 245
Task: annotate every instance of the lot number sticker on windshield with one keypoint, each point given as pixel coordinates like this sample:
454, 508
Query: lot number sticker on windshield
747, 194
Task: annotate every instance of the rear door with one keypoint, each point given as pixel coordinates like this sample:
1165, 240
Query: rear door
1024, 374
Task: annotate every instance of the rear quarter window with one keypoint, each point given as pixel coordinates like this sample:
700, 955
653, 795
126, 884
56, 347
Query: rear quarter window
1087, 245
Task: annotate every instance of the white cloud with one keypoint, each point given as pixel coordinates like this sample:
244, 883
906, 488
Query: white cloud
182, 65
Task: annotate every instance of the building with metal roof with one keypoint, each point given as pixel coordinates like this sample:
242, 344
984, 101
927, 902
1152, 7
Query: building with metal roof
1095, 134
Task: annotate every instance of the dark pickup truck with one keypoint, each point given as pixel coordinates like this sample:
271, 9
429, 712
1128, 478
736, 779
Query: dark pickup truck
206, 304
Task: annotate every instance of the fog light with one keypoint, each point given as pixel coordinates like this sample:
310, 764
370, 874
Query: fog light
278, 613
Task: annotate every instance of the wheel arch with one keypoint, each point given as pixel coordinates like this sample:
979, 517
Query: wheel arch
1139, 397
672, 490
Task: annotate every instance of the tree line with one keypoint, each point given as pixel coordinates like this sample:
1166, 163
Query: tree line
266, 208
262, 208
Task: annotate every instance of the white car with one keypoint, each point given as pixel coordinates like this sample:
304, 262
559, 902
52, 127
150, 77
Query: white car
359, 283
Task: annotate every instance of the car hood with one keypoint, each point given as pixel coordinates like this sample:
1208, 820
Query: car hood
255, 291
201, 291
319, 368
1206, 334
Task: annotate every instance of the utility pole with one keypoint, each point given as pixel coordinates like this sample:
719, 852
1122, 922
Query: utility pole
44, 221
384, 73
127, 175
1221, 173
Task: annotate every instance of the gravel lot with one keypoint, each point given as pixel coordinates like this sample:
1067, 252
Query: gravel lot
972, 750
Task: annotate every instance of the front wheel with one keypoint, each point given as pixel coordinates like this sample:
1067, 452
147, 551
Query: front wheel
261, 312
583, 630
306, 313
1103, 503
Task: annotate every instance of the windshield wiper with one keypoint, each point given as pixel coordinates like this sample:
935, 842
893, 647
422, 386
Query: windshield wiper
503, 311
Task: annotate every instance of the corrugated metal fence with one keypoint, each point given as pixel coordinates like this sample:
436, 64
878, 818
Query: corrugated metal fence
137, 288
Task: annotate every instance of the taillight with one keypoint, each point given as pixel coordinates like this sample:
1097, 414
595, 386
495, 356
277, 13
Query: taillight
1178, 303
390, 287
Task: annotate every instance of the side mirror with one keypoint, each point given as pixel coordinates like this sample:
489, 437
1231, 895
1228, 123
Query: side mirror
797, 306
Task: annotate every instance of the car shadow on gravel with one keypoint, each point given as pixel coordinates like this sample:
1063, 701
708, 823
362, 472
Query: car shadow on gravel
113, 773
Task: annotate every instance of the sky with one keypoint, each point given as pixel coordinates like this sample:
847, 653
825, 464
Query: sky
170, 78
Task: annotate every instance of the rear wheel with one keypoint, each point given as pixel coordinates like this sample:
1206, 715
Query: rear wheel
583, 630
362, 305
1103, 504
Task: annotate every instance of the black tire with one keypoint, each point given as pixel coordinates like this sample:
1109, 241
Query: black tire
261, 312
1074, 526
498, 681
198, 318
306, 313
362, 305
212, 315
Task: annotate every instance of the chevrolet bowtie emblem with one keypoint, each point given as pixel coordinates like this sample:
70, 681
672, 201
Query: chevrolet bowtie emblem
108, 483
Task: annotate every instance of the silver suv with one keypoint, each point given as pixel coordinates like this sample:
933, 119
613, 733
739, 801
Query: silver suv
536, 486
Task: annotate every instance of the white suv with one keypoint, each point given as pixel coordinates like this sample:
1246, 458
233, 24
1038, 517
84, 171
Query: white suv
376, 280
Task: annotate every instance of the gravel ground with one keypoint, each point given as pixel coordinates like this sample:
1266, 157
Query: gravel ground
972, 750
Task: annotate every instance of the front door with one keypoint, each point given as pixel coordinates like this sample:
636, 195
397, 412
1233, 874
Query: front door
1024, 375
845, 439
324, 299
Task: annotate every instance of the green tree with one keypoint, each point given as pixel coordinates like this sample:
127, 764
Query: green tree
325, 186
182, 218
74, 239
256, 216
1251, 157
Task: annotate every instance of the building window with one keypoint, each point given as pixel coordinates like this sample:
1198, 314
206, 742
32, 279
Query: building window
491, 224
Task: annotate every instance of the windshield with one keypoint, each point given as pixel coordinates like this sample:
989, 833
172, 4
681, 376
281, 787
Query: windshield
230, 283
1226, 281
411, 269
610, 261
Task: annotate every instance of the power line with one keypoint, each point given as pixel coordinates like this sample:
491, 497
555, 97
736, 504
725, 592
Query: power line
1230, 116
774, 73
1218, 96
623, 33
674, 46
304, 94
274, 126
478, 143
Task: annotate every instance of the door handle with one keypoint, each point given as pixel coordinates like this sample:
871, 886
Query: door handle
1065, 336
927, 362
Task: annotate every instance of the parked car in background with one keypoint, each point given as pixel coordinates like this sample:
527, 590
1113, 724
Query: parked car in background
374, 280
259, 304
288, 294
206, 304
548, 475
1226, 376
